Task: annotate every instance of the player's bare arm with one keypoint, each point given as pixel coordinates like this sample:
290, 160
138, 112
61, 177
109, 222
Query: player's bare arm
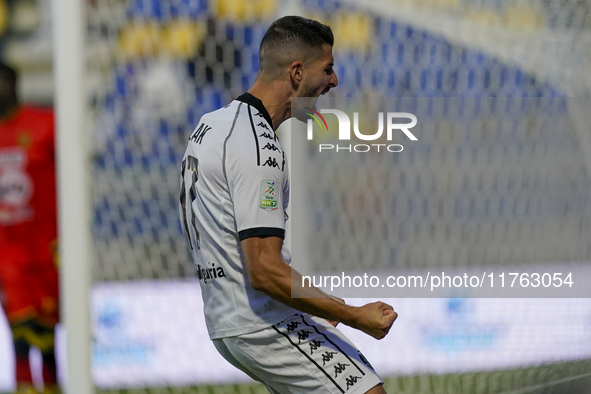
267, 272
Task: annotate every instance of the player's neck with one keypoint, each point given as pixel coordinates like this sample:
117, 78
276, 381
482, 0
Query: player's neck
275, 98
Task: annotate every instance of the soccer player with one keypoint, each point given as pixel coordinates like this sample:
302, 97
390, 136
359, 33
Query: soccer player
234, 193
28, 231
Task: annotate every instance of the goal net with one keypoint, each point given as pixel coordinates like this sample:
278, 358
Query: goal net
487, 193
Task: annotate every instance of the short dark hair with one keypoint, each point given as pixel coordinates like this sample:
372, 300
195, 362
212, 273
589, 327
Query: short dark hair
292, 38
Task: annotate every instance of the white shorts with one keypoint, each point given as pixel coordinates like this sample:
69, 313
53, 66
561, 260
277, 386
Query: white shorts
301, 354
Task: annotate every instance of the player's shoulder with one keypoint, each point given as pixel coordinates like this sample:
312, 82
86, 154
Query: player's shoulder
245, 112
222, 117
243, 128
232, 118
221, 114
214, 126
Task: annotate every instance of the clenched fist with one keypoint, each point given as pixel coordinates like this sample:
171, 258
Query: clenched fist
374, 319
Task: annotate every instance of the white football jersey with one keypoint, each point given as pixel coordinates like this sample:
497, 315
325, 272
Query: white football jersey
234, 185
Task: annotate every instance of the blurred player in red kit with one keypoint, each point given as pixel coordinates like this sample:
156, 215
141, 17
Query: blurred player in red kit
28, 232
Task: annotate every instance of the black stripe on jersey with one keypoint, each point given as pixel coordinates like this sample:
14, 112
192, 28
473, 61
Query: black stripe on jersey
192, 164
261, 232
334, 344
256, 138
226, 142
183, 201
257, 104
283, 163
309, 358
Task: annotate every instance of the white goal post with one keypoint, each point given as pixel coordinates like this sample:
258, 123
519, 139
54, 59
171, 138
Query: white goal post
73, 165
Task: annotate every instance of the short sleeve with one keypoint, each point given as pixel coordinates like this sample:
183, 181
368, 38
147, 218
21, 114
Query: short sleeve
256, 180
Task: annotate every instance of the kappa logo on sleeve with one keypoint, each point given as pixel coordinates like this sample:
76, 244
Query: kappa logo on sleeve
269, 195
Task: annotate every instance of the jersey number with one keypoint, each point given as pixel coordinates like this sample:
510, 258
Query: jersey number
189, 163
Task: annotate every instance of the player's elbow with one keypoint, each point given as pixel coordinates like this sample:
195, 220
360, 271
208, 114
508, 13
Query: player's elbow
257, 278
257, 285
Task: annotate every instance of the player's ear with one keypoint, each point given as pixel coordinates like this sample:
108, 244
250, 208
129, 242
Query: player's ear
296, 72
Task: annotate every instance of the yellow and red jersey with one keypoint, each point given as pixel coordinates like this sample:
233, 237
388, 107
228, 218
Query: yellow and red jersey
27, 181
28, 219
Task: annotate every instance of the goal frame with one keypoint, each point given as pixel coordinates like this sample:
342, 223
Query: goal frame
73, 169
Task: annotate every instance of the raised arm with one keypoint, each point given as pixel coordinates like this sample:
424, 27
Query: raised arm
267, 272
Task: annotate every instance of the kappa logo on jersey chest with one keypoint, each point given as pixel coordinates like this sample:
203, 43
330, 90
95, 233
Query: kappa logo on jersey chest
271, 162
268, 136
271, 147
263, 125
